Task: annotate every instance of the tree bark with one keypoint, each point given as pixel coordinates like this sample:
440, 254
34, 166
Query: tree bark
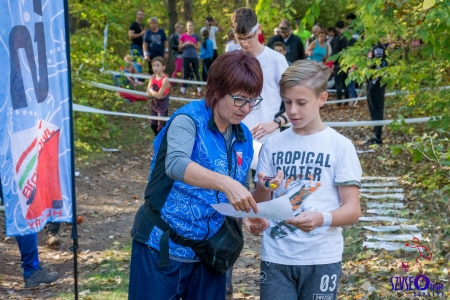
171, 6
187, 10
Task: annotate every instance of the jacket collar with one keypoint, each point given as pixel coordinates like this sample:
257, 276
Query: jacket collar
237, 129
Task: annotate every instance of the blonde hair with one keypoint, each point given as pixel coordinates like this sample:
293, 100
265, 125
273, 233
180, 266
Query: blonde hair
306, 73
128, 59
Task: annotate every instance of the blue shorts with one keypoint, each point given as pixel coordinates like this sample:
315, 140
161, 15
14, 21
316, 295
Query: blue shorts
178, 280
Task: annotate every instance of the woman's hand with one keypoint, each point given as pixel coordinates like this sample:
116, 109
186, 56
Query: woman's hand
307, 220
255, 225
260, 130
277, 181
239, 197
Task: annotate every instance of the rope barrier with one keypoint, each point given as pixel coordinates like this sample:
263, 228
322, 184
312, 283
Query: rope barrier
133, 92
142, 76
87, 109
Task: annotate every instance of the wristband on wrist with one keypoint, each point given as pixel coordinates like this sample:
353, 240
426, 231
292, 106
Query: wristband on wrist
327, 219
284, 118
147, 53
167, 49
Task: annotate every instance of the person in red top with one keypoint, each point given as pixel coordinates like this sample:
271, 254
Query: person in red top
158, 90
261, 37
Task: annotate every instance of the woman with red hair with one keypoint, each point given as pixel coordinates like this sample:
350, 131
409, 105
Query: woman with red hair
202, 157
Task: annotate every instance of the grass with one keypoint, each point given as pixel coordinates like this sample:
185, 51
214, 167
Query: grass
110, 279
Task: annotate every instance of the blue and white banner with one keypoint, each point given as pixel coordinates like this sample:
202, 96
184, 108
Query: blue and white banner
35, 135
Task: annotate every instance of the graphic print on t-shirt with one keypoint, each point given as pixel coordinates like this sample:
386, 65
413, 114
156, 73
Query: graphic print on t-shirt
302, 171
155, 39
298, 189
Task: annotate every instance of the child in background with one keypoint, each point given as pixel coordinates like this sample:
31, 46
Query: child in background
319, 171
281, 48
231, 42
158, 90
206, 53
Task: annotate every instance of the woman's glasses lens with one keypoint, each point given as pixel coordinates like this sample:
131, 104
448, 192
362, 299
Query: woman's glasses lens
239, 101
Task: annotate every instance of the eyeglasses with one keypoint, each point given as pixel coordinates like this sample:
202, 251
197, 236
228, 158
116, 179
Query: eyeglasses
245, 39
241, 101
284, 28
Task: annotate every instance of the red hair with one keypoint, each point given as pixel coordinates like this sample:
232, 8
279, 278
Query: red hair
231, 72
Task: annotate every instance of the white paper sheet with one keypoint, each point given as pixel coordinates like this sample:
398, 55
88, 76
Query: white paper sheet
277, 209
396, 196
384, 219
394, 237
384, 205
381, 190
392, 228
379, 184
390, 246
256, 148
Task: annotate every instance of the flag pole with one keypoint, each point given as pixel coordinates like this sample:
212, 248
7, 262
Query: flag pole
74, 235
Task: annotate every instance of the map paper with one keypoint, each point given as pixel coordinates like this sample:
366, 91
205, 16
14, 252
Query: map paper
276, 209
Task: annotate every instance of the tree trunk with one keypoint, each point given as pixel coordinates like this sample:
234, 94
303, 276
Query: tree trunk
171, 6
187, 10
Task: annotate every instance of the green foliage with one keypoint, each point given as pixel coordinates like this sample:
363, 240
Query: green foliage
418, 60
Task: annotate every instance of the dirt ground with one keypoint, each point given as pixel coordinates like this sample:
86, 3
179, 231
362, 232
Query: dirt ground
109, 191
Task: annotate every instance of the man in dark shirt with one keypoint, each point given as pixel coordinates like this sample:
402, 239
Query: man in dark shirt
294, 45
135, 33
376, 90
340, 44
155, 43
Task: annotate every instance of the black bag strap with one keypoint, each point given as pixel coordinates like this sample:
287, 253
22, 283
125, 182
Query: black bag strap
155, 217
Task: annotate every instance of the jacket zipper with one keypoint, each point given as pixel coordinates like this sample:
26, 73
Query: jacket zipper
229, 161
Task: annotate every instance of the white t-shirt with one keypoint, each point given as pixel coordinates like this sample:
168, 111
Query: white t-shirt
314, 166
231, 46
273, 65
212, 34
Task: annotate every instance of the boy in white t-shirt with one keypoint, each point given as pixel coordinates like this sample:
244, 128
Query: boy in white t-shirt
319, 170
262, 121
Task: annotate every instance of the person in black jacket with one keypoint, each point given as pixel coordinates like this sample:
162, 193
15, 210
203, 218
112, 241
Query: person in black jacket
294, 45
340, 43
375, 91
177, 54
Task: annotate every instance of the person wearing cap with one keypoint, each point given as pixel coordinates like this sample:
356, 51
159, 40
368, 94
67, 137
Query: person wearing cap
155, 43
213, 27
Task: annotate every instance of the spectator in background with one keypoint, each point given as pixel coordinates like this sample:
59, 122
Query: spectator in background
276, 31
304, 35
332, 34
315, 34
177, 54
350, 17
294, 45
158, 89
231, 44
375, 91
190, 44
33, 274
280, 48
318, 49
213, 27
261, 37
155, 43
206, 54
135, 33
339, 76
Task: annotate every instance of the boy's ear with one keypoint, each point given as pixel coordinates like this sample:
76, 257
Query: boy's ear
323, 98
